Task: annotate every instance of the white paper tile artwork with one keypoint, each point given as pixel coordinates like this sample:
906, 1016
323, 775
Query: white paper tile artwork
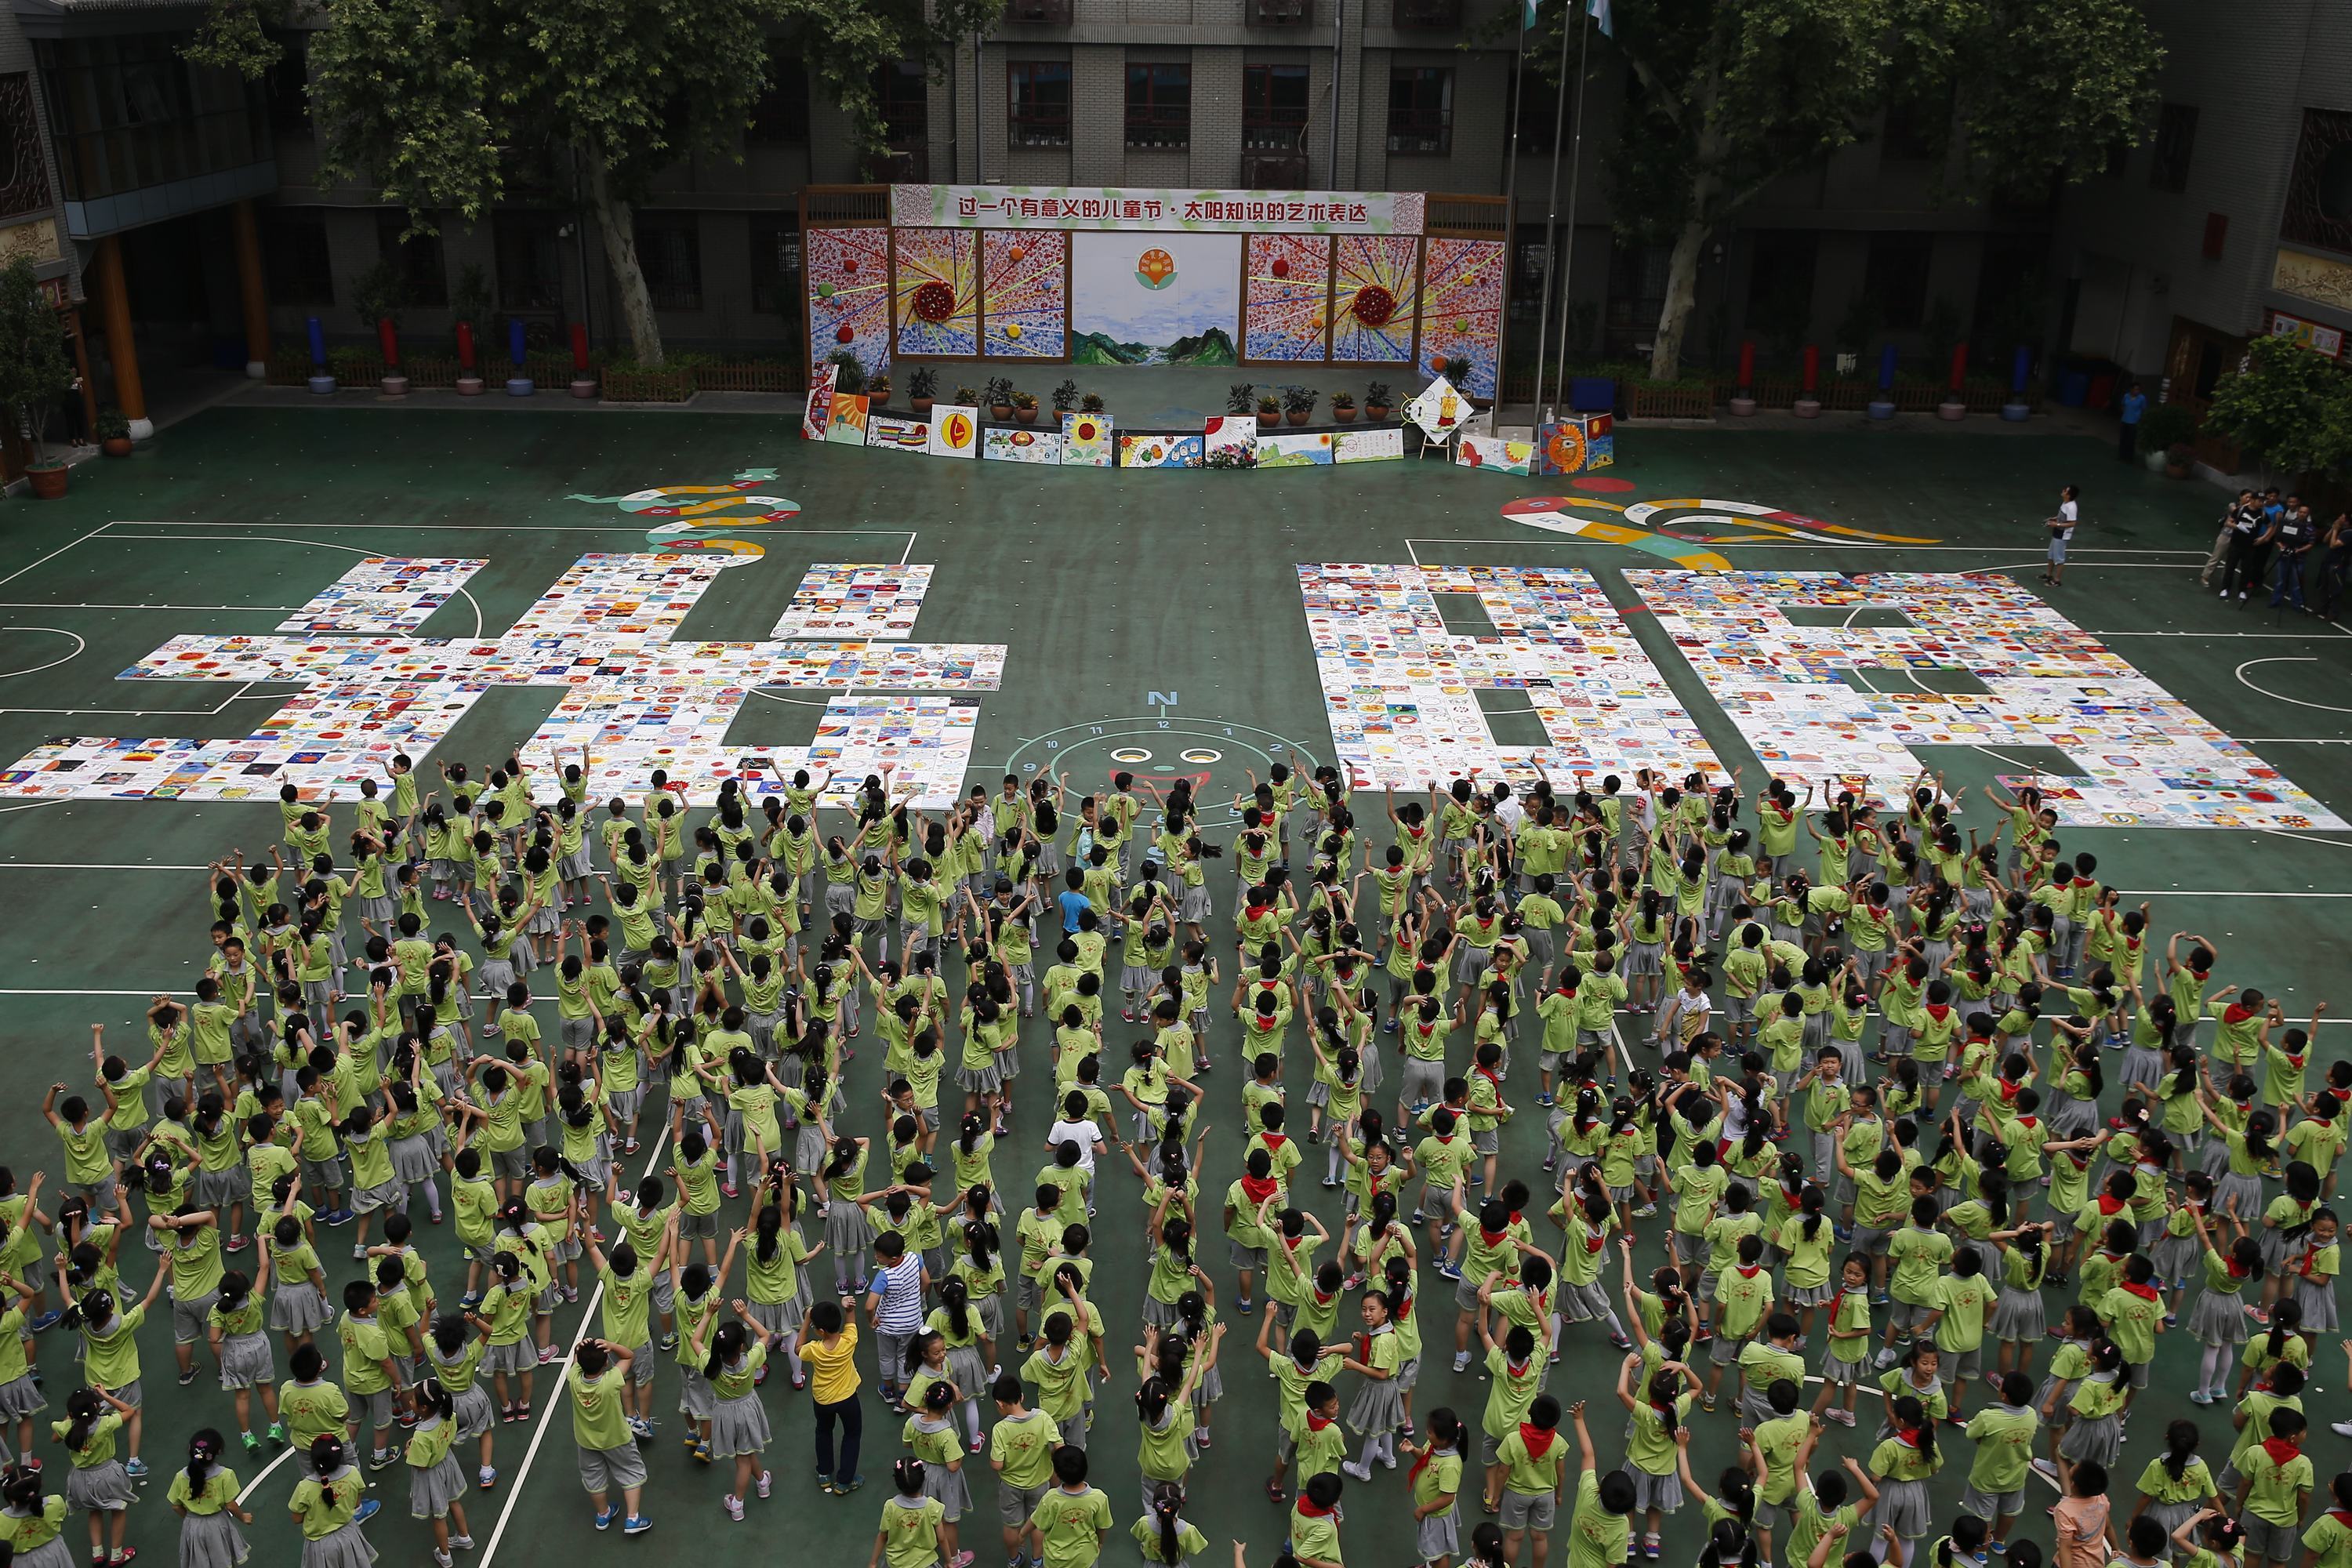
842, 600
606, 633
2139, 754
384, 593
1400, 689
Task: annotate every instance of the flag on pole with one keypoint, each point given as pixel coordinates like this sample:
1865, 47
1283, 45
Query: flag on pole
1527, 18
1599, 11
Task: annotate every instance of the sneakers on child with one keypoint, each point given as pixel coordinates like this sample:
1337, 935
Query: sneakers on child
734, 1507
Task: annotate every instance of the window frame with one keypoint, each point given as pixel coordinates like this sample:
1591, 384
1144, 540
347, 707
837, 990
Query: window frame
1267, 126
1409, 123
1155, 125
1024, 125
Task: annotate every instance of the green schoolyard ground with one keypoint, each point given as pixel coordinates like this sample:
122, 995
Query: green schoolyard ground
1132, 604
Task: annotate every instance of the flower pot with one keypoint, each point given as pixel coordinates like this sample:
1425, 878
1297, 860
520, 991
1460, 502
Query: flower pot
394, 385
584, 386
921, 405
1743, 407
116, 446
1807, 408
49, 481
2173, 471
1376, 410
469, 385
1025, 416
1344, 412
1951, 408
1000, 412
1294, 416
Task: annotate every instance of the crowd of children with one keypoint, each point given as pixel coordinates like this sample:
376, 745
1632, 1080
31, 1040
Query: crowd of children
1850, 1119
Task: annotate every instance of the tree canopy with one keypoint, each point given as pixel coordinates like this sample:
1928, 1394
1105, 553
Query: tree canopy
439, 104
2284, 406
2012, 96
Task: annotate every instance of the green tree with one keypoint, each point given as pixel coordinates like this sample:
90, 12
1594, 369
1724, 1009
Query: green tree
435, 101
1729, 96
34, 370
2285, 407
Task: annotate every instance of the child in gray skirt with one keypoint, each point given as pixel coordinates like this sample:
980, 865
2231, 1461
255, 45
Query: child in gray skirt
436, 1482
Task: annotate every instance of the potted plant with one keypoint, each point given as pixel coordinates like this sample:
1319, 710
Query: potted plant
1376, 400
1066, 397
2178, 460
1091, 402
379, 295
1024, 407
878, 390
2164, 429
848, 373
34, 373
1269, 409
1239, 396
1456, 369
999, 398
922, 383
114, 433
1343, 408
473, 306
967, 397
1298, 402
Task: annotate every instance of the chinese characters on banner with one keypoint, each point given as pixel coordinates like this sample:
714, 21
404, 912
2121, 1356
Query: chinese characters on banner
1059, 206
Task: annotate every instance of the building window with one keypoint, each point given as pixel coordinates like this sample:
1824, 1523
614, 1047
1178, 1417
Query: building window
2176, 140
1914, 129
1421, 109
2319, 191
780, 116
776, 270
1780, 286
288, 84
531, 261
1536, 112
1159, 104
1896, 278
903, 93
1274, 108
418, 258
670, 252
24, 180
1038, 94
294, 256
127, 113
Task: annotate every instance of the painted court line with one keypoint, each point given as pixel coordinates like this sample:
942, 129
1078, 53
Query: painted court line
63, 604
558, 1399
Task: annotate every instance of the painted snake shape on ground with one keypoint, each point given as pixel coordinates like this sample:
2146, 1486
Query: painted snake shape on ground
697, 524
1750, 524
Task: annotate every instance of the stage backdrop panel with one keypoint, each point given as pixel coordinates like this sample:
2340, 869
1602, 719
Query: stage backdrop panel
936, 284
1374, 292
1462, 309
1287, 293
1154, 299
1026, 294
848, 277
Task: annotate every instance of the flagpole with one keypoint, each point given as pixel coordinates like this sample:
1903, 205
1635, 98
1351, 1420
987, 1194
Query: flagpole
1551, 223
1511, 178
1575, 181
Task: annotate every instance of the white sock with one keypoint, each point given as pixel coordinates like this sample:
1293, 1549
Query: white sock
2210, 1370
1331, 1162
972, 1419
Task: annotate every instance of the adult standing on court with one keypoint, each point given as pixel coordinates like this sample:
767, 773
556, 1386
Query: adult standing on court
2062, 528
2134, 405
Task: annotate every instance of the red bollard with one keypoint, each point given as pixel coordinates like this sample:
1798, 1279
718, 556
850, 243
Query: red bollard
469, 379
1743, 395
584, 383
387, 338
1808, 405
1956, 405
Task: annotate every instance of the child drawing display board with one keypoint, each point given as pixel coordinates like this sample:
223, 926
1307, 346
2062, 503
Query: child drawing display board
2141, 756
606, 633
1400, 690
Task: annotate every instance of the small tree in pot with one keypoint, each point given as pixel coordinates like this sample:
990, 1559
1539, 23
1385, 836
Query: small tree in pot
1239, 396
1092, 402
1066, 397
922, 383
35, 373
1024, 407
114, 433
1343, 407
1376, 399
999, 394
1269, 409
1298, 402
